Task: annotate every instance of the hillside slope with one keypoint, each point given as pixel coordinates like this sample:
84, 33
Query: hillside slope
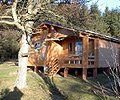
44, 88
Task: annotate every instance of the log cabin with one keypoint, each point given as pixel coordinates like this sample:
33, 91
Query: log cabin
70, 48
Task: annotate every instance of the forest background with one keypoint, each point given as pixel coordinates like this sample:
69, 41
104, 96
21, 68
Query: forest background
78, 15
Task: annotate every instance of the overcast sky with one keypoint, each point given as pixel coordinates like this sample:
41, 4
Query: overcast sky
109, 3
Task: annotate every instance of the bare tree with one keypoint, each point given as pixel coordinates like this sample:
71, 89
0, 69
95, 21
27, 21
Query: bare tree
23, 14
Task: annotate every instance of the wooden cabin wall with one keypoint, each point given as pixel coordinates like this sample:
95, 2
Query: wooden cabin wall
66, 46
108, 53
36, 58
119, 54
52, 48
54, 52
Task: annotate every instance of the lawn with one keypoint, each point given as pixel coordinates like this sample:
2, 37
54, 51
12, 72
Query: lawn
40, 87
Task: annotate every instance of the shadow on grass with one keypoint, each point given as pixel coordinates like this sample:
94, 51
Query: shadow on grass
99, 88
55, 93
1, 62
16, 94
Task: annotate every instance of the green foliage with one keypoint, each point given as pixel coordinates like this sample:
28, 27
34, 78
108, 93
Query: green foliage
71, 15
97, 22
79, 15
8, 44
112, 18
4, 92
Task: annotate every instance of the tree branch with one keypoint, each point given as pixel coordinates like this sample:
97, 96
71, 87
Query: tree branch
51, 12
7, 22
6, 17
13, 23
14, 11
53, 39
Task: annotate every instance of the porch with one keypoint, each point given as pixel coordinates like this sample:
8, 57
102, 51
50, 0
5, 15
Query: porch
69, 53
82, 53
75, 61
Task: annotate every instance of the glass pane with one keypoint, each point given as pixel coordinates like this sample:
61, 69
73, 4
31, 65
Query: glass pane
37, 45
70, 47
78, 47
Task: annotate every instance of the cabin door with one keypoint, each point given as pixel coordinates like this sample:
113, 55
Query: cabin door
78, 47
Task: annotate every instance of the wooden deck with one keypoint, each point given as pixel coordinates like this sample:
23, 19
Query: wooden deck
75, 61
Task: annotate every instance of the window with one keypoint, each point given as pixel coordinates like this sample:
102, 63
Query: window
78, 47
70, 47
37, 45
7, 2
91, 47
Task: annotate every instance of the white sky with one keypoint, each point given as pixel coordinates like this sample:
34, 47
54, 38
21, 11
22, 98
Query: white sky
109, 3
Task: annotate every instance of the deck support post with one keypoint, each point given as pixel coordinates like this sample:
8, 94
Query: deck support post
35, 69
76, 72
96, 52
85, 56
66, 72
108, 70
84, 73
94, 72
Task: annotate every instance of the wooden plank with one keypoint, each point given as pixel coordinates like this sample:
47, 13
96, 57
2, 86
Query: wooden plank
90, 66
91, 56
53, 58
72, 66
74, 55
96, 48
72, 59
91, 59
85, 56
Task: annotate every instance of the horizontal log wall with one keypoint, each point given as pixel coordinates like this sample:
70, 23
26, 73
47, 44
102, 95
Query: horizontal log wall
108, 53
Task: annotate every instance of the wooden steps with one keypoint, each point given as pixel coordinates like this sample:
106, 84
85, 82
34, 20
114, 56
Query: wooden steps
54, 66
53, 58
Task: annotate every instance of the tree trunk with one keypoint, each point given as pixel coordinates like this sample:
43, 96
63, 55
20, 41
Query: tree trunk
23, 59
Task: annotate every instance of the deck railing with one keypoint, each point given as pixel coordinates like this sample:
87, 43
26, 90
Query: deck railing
91, 61
75, 61
72, 60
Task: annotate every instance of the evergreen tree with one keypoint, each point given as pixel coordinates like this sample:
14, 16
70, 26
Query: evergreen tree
85, 17
97, 22
77, 15
112, 18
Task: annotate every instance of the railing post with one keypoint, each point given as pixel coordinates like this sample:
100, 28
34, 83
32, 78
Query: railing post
96, 52
85, 56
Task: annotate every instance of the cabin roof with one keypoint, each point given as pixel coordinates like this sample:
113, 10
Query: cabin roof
91, 33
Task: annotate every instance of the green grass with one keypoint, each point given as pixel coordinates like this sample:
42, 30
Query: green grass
40, 87
75, 88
